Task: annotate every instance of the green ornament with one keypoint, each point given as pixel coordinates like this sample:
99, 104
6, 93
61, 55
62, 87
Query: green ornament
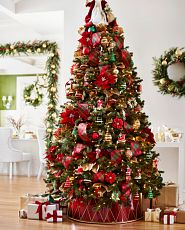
150, 193
92, 29
112, 57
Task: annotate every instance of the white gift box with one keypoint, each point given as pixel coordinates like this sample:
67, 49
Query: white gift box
54, 216
38, 211
168, 219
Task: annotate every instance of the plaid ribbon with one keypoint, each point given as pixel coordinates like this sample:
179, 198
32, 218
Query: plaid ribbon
116, 157
135, 147
96, 38
83, 110
126, 58
94, 57
119, 42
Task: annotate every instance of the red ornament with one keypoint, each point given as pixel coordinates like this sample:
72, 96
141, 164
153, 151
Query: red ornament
79, 170
117, 123
136, 197
155, 163
139, 88
95, 135
110, 177
86, 50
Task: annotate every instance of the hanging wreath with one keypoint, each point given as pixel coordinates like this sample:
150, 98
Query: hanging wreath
32, 95
161, 79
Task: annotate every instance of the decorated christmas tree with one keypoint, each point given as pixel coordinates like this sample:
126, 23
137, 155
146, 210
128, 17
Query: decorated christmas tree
102, 147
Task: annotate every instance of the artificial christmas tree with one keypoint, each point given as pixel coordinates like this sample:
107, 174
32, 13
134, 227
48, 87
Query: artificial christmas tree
101, 155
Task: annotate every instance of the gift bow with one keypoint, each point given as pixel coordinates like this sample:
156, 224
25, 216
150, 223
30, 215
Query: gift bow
39, 208
55, 216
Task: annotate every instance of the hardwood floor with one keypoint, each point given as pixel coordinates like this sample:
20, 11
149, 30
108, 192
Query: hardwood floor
11, 190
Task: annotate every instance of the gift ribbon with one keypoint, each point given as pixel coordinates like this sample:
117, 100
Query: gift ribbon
39, 208
55, 216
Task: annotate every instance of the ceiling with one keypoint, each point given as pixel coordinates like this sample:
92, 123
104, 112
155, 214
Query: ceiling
23, 20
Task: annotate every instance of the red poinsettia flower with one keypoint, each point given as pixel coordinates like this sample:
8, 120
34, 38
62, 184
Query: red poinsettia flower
59, 157
105, 79
86, 39
50, 157
149, 135
52, 149
69, 116
117, 123
110, 177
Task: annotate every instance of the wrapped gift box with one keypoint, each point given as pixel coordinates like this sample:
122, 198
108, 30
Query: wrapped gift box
168, 219
30, 198
54, 216
180, 217
22, 214
38, 210
153, 215
169, 196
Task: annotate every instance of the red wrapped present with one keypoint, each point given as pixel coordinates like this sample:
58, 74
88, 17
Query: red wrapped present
37, 210
168, 218
54, 216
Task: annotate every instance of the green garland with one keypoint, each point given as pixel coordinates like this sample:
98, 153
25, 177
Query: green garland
34, 101
161, 78
52, 66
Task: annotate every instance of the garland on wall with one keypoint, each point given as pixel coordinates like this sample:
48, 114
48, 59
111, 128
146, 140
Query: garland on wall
161, 78
52, 68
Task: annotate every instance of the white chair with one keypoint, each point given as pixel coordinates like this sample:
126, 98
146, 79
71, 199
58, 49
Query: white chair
41, 133
9, 154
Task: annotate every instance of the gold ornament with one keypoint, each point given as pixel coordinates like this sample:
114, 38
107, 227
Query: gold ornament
54, 115
115, 71
178, 52
136, 124
51, 54
53, 72
53, 66
164, 62
38, 50
162, 81
29, 50
50, 106
53, 89
104, 42
128, 153
44, 45
12, 47
49, 130
108, 137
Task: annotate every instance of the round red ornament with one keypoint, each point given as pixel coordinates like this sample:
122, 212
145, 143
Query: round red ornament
95, 135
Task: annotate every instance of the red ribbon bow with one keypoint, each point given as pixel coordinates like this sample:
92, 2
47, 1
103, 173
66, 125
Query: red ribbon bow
39, 208
55, 216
